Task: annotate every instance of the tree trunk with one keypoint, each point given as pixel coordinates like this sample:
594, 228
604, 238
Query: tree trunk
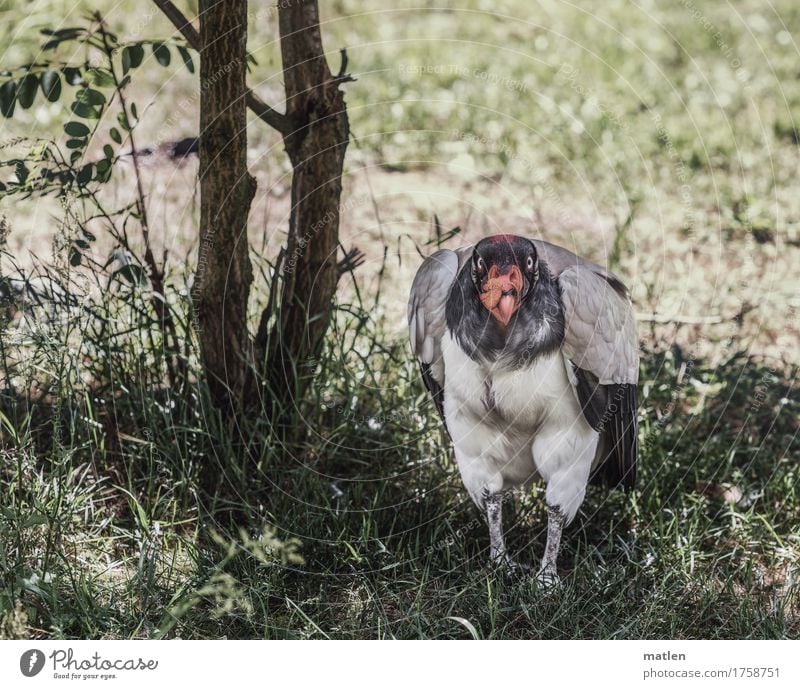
315, 131
224, 274
316, 142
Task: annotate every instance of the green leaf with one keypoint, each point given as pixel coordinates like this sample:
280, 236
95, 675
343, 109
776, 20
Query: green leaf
134, 111
72, 75
8, 98
108, 151
100, 77
112, 38
74, 156
131, 273
76, 143
51, 86
26, 92
115, 135
132, 56
85, 111
22, 172
62, 35
69, 32
104, 169
85, 175
34, 520
123, 121
76, 129
161, 53
187, 58
82, 244
90, 97
74, 257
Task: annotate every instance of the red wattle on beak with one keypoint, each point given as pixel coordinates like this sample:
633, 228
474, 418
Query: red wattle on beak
501, 293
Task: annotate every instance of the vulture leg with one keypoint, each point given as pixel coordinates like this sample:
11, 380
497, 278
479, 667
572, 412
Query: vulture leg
493, 503
494, 515
548, 573
563, 459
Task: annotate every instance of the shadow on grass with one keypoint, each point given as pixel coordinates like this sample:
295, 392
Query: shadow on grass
364, 530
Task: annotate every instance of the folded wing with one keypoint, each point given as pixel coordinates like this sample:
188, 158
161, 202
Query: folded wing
426, 316
602, 348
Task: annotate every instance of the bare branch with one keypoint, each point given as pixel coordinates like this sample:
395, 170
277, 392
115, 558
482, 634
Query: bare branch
352, 260
269, 115
343, 76
181, 23
679, 318
273, 118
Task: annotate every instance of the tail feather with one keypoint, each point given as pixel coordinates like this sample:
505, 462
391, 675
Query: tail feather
620, 440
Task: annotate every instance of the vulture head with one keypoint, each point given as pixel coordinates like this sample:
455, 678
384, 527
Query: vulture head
505, 268
504, 303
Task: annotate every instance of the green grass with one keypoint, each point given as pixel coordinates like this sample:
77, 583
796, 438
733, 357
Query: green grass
128, 511
369, 534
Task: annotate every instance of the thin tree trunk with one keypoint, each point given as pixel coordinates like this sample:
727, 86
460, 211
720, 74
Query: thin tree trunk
316, 143
224, 274
315, 131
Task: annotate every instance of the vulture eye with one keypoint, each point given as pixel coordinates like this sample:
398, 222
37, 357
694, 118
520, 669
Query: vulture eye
480, 266
529, 263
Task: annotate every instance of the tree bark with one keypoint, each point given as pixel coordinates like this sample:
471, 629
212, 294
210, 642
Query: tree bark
315, 131
224, 274
316, 143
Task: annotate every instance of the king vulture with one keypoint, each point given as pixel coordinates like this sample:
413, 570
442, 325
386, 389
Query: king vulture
531, 356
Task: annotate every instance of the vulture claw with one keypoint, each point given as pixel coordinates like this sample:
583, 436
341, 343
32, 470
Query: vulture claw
509, 566
547, 580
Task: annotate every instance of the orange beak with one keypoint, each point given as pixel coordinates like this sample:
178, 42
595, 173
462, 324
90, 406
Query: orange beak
502, 293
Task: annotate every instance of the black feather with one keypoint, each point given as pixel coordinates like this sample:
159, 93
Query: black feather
615, 284
436, 390
611, 411
592, 396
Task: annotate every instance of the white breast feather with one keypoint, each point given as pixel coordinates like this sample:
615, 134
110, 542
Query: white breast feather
494, 446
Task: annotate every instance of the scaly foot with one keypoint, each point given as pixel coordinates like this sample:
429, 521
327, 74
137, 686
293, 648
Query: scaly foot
547, 579
508, 565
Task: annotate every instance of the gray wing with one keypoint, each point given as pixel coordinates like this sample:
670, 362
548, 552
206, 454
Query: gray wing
426, 316
600, 334
602, 348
